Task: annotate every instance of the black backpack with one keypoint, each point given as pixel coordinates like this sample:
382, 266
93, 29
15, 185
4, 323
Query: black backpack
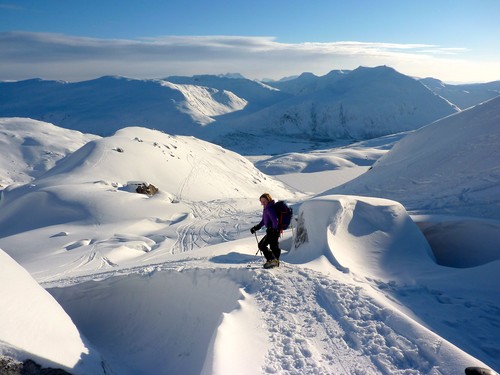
284, 214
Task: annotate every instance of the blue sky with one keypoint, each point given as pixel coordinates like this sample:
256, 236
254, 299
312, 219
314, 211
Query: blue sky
456, 41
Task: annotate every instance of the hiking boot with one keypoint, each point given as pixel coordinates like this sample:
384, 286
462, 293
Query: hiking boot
272, 263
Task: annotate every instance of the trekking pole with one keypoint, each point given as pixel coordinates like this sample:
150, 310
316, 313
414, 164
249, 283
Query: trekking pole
256, 239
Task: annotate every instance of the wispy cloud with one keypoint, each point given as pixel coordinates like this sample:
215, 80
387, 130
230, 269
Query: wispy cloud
57, 56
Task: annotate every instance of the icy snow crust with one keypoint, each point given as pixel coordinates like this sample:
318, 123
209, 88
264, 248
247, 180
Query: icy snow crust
171, 284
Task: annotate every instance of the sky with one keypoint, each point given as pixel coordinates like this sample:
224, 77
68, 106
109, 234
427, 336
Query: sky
452, 40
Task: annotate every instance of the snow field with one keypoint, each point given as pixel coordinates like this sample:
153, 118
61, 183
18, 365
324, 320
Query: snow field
161, 283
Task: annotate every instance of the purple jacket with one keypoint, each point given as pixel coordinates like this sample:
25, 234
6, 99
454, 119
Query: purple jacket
269, 217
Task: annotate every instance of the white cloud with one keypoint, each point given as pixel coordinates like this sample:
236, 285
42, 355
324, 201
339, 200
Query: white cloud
56, 56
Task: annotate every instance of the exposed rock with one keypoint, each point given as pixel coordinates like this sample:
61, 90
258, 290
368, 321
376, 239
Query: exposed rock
9, 366
147, 189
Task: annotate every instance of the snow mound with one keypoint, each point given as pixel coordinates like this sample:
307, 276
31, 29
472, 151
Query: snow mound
448, 167
30, 148
92, 184
185, 167
317, 161
372, 237
34, 325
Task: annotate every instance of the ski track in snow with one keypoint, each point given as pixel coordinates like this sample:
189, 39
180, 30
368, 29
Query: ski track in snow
214, 223
322, 326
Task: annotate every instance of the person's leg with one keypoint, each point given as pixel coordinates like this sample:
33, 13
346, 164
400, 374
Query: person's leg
265, 250
274, 245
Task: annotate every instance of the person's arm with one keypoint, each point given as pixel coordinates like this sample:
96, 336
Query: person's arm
257, 227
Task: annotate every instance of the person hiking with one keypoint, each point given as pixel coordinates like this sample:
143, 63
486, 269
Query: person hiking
271, 239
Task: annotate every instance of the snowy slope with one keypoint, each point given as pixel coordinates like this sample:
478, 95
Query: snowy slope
171, 284
355, 155
30, 148
257, 94
95, 186
366, 103
344, 301
104, 105
449, 167
31, 319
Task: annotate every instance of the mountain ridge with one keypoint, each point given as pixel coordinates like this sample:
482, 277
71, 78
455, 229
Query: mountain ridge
233, 111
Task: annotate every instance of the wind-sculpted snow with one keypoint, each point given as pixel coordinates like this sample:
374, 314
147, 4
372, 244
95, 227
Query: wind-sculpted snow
158, 322
375, 241
31, 319
396, 243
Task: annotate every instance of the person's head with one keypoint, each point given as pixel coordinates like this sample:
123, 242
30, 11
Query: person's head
265, 199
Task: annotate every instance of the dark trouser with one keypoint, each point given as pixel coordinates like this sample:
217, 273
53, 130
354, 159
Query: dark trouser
271, 238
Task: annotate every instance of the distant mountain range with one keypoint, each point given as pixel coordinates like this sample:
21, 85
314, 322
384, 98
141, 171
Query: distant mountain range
358, 104
463, 96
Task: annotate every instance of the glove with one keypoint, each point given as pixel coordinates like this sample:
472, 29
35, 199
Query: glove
254, 229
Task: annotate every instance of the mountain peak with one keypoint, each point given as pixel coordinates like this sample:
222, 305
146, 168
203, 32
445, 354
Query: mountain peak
231, 76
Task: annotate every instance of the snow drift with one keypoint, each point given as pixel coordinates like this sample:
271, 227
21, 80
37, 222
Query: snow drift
372, 237
34, 325
166, 322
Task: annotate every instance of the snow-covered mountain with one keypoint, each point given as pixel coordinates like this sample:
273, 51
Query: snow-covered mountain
257, 94
366, 103
171, 284
308, 83
392, 272
234, 111
104, 105
465, 95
